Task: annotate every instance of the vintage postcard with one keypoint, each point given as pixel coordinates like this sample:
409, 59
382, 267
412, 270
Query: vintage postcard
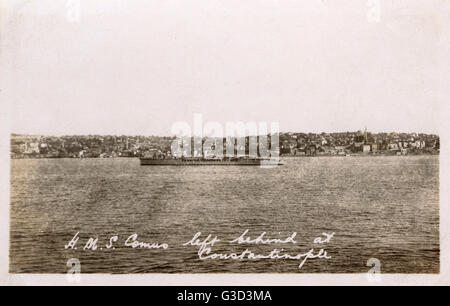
224, 142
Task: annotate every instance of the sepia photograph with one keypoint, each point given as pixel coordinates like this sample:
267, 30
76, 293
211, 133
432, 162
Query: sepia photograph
223, 138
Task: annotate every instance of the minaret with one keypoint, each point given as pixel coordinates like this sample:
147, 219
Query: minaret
365, 135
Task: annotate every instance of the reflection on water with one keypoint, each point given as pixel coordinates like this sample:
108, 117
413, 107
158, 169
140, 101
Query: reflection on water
379, 207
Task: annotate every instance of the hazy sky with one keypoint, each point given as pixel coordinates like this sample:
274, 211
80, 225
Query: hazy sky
136, 67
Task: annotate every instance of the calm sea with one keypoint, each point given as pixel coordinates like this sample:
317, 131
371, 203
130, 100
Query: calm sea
378, 207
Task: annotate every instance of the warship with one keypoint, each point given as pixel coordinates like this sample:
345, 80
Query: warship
202, 161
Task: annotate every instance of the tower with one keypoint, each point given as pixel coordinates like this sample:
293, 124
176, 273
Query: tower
365, 136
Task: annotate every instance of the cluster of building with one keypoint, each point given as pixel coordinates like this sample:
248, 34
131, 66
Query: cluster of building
350, 143
291, 144
92, 146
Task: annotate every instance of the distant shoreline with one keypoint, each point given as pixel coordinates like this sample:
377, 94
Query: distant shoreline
290, 145
282, 157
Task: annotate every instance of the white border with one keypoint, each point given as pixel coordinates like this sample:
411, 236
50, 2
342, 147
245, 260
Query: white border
234, 279
230, 280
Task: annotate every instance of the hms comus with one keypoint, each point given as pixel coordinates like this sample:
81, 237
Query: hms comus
192, 161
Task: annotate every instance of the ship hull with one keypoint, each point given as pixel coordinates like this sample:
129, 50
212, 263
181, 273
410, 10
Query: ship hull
179, 162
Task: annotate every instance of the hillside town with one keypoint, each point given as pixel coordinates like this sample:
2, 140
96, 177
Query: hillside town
291, 144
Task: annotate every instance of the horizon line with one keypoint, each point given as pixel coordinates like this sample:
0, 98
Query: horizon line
280, 132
